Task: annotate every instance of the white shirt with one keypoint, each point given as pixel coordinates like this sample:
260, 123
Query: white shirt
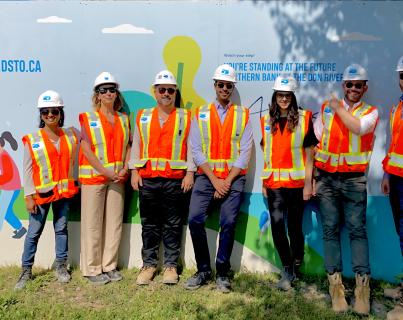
367, 122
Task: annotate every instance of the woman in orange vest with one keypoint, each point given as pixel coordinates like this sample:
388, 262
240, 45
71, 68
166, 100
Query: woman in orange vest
103, 169
49, 160
288, 142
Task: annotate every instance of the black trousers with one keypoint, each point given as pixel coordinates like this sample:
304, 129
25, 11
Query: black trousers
161, 213
286, 206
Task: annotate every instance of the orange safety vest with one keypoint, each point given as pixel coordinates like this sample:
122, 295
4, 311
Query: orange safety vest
284, 154
108, 143
163, 151
393, 162
221, 142
52, 168
340, 150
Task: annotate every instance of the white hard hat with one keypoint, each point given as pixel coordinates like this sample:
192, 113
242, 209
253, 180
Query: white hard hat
225, 72
50, 99
103, 78
399, 66
285, 83
164, 77
355, 72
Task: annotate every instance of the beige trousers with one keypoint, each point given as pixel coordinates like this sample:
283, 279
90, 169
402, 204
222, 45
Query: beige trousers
101, 227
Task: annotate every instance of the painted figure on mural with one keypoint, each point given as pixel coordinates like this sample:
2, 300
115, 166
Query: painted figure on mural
103, 170
345, 129
50, 159
221, 141
162, 171
392, 185
10, 186
288, 140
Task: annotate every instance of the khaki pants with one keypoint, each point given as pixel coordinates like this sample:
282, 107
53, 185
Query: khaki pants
101, 227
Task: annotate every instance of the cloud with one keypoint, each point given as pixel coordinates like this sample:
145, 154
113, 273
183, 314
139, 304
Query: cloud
351, 36
53, 19
127, 29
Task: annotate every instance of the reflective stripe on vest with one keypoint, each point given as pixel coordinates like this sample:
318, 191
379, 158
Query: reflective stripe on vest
42, 159
100, 145
395, 150
297, 171
178, 136
355, 156
236, 133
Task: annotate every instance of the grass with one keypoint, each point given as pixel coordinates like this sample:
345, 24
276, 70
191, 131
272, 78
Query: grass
253, 297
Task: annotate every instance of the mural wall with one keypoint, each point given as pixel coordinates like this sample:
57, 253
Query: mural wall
63, 46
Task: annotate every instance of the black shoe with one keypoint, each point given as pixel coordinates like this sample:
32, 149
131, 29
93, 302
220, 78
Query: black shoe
25, 276
114, 275
223, 284
99, 279
19, 233
197, 280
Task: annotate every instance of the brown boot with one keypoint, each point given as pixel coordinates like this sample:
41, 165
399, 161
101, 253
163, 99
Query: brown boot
361, 293
146, 275
170, 275
336, 290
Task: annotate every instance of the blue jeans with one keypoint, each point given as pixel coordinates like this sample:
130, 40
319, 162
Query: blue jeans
200, 203
37, 223
343, 197
396, 202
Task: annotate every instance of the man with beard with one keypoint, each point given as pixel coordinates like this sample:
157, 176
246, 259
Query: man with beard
221, 142
162, 171
345, 129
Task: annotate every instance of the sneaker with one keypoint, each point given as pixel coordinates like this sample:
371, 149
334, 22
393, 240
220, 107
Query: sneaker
99, 279
18, 234
287, 277
223, 284
170, 275
25, 276
146, 275
197, 280
61, 272
114, 275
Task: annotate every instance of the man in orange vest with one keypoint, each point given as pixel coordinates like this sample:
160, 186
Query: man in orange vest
392, 185
162, 171
221, 141
345, 129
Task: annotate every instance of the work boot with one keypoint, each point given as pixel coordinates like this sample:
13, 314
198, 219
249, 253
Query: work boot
197, 280
361, 293
170, 275
393, 293
61, 272
287, 277
25, 276
336, 290
397, 312
146, 275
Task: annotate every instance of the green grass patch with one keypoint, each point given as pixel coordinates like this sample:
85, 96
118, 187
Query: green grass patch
253, 297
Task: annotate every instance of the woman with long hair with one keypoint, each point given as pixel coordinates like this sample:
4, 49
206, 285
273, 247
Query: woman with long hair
103, 169
288, 141
49, 161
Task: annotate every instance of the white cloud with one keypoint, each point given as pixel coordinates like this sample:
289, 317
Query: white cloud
351, 36
53, 19
127, 29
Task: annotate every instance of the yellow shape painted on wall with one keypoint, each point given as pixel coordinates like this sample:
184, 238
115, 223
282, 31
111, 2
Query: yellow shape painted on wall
182, 56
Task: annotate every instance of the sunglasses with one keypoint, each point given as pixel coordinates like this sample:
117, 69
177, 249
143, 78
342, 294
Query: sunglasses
221, 85
170, 91
401, 75
283, 95
45, 112
105, 90
358, 86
